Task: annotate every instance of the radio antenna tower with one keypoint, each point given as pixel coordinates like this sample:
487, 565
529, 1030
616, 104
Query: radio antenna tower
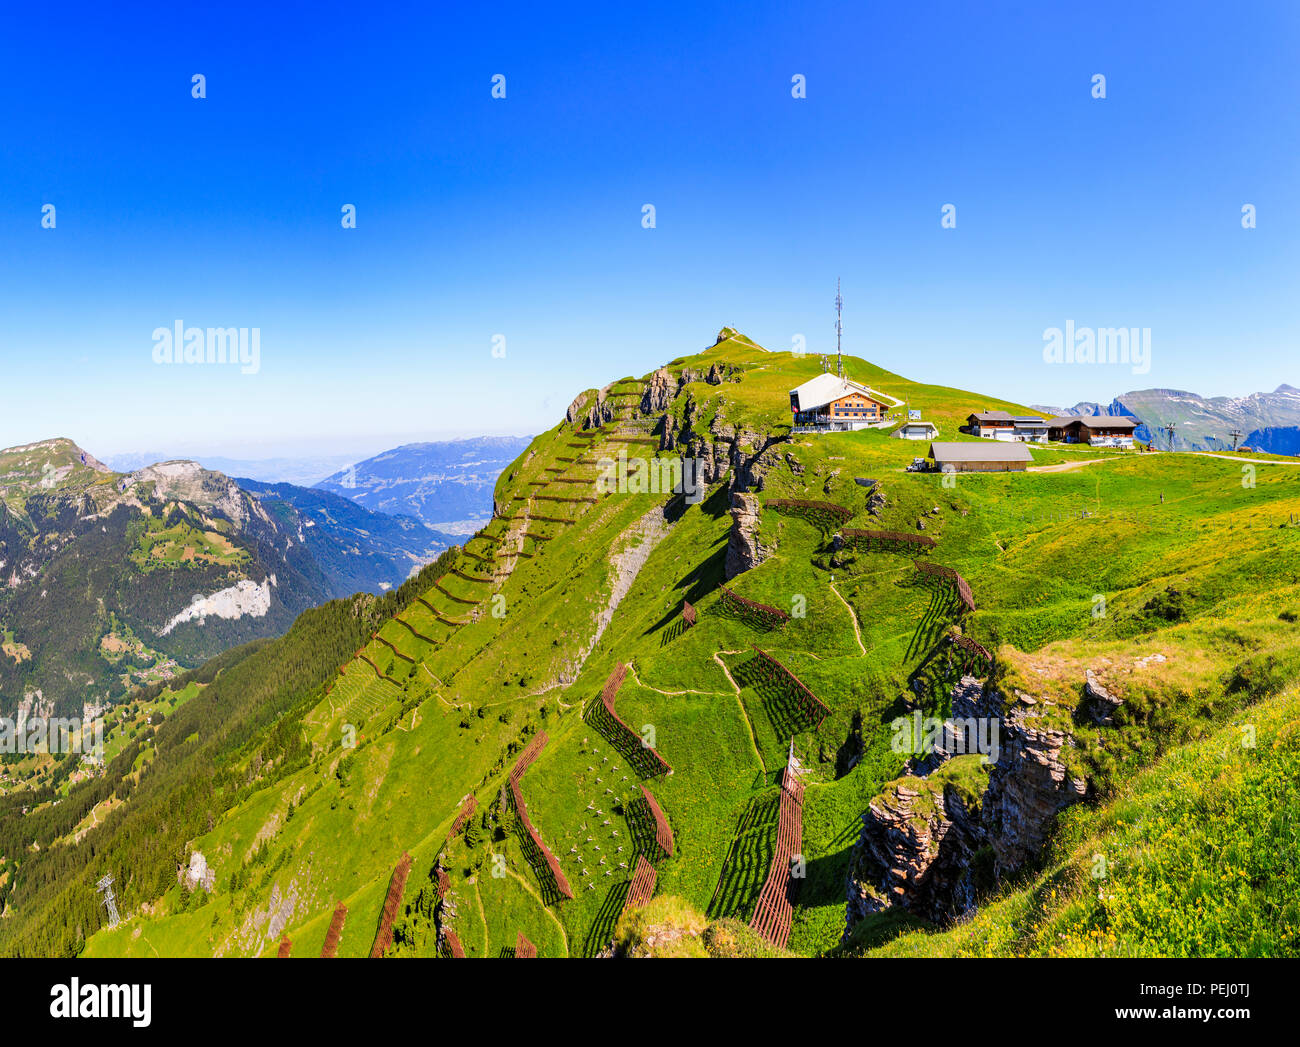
105, 887
839, 328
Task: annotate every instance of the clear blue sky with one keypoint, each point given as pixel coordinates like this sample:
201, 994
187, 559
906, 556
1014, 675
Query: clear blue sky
522, 216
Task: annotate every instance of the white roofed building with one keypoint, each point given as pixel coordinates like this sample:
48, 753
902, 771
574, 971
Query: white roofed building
915, 429
831, 402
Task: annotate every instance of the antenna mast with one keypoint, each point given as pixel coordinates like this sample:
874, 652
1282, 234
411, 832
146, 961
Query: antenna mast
839, 327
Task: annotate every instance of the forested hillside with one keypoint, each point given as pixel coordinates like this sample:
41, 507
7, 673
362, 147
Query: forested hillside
241, 734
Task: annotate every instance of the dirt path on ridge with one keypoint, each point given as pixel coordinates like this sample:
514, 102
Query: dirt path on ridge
857, 633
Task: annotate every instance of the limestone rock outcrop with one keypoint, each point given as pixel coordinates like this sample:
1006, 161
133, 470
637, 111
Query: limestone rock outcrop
659, 391
1099, 704
1028, 786
575, 411
743, 548
915, 851
920, 835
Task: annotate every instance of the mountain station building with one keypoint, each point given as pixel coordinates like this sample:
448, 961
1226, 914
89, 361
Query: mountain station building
1002, 425
829, 403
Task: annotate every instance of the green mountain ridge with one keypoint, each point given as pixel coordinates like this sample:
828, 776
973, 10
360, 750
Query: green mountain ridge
335, 772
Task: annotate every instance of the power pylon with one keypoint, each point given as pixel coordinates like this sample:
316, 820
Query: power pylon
105, 887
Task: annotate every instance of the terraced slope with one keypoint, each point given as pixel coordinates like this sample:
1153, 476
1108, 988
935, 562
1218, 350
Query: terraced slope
1176, 583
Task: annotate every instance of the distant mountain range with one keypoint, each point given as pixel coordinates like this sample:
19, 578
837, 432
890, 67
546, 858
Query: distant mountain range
444, 485
300, 471
358, 549
447, 485
1266, 421
111, 580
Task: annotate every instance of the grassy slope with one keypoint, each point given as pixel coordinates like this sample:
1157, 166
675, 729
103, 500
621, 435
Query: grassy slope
1193, 858
447, 722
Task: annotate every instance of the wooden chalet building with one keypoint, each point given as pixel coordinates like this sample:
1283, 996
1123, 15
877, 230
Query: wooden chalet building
1098, 430
1056, 427
1002, 425
829, 403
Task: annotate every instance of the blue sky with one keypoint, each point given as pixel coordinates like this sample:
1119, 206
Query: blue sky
522, 217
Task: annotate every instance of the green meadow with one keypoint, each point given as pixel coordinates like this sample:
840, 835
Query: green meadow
1100, 564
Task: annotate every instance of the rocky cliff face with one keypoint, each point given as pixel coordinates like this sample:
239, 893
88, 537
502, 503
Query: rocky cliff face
1028, 786
723, 449
590, 410
575, 412
915, 851
920, 835
743, 548
214, 493
659, 392
970, 700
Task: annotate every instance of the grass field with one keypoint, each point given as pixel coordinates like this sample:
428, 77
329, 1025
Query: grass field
1184, 556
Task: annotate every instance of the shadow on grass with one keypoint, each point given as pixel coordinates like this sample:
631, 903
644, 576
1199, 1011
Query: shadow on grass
693, 587
940, 612
786, 714
641, 824
601, 932
745, 869
676, 627
537, 862
622, 740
